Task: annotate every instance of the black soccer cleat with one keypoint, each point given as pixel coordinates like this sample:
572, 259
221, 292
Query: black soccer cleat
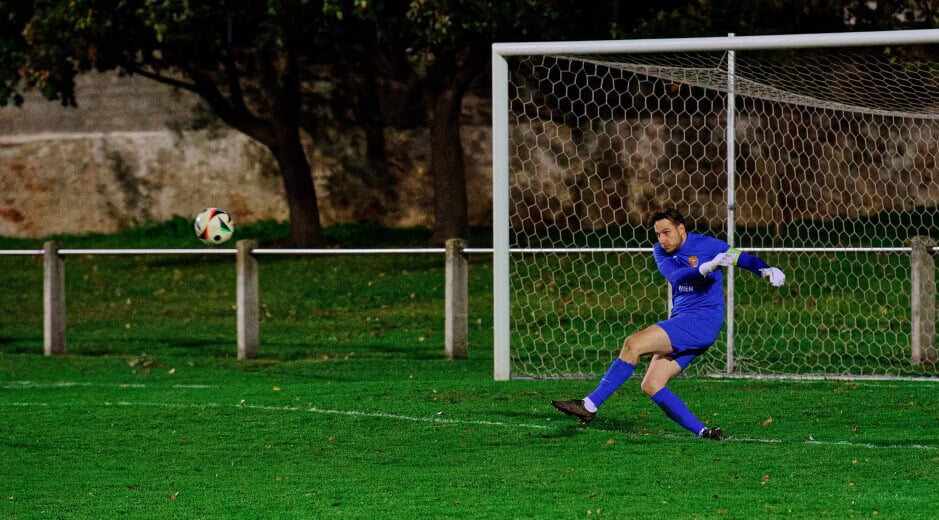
715, 434
575, 408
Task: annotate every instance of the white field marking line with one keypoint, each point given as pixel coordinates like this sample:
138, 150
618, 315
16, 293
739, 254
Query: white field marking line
16, 385
441, 420
810, 440
849, 444
385, 415
376, 415
883, 383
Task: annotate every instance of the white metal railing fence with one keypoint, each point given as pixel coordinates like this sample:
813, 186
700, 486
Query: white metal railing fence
569, 307
922, 291
246, 253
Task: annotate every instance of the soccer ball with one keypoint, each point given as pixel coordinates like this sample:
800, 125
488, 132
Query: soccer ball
213, 226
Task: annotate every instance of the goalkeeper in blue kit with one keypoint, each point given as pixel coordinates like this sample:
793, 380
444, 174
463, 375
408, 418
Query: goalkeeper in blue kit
691, 263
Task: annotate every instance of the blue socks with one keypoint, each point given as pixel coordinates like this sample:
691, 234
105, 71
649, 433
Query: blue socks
676, 410
670, 403
618, 373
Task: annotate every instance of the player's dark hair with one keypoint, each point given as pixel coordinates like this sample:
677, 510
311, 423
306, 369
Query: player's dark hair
670, 214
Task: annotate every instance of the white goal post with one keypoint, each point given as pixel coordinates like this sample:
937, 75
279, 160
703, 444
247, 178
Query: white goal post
833, 171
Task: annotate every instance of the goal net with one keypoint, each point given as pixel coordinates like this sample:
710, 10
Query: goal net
834, 170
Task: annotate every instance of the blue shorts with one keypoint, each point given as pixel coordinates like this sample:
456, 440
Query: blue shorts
691, 335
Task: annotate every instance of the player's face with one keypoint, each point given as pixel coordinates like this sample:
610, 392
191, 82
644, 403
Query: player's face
669, 235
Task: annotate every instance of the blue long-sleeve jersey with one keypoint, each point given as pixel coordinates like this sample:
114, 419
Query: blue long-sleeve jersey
692, 292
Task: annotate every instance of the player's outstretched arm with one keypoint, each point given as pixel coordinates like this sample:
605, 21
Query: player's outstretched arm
756, 265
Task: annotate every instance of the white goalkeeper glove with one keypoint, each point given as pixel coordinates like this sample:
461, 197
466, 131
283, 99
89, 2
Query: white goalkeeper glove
721, 260
775, 276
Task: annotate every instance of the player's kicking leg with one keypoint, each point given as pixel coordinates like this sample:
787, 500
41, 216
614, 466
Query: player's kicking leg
651, 340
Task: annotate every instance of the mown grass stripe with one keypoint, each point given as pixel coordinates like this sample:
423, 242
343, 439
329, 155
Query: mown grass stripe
442, 420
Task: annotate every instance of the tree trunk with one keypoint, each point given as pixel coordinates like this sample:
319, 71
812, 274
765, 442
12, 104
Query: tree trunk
448, 169
369, 115
281, 83
450, 79
305, 227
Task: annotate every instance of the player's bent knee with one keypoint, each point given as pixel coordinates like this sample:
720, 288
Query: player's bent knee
634, 347
629, 353
651, 388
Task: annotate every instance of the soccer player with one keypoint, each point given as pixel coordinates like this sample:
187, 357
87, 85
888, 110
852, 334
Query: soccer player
691, 263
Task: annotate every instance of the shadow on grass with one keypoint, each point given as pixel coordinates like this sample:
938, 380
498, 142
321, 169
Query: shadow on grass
22, 348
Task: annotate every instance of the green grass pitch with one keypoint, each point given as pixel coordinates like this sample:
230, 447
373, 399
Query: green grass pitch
352, 411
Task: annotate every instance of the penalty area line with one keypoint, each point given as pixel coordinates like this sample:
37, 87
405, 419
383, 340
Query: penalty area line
848, 444
810, 441
385, 415
351, 413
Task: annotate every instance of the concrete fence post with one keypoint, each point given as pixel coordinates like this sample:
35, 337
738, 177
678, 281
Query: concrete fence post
53, 299
456, 298
247, 300
923, 302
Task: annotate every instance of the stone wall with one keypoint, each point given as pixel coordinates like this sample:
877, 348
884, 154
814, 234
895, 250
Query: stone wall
137, 151
789, 168
108, 181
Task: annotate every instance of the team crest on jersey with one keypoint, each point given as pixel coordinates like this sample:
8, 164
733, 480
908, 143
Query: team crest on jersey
693, 261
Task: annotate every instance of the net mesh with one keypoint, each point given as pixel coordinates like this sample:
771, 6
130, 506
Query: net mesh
833, 150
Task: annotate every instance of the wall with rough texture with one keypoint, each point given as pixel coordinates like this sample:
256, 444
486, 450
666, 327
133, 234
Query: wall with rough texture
75, 183
106, 182
786, 170
137, 151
